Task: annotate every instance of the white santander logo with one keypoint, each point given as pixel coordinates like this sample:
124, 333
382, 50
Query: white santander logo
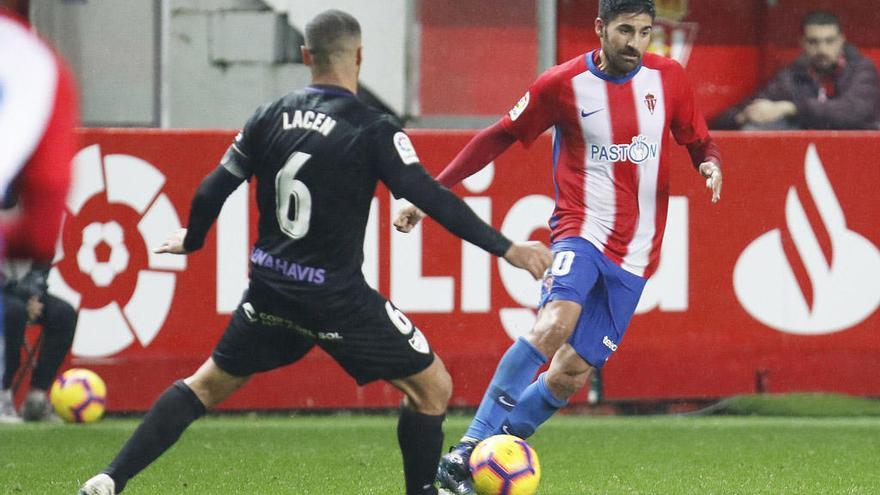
122, 289
840, 289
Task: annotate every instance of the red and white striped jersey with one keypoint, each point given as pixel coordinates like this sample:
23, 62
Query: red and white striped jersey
610, 153
38, 115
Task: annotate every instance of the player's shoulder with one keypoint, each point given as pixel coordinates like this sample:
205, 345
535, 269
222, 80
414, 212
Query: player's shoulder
379, 121
564, 71
663, 64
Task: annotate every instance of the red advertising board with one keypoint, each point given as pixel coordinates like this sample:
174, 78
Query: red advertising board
781, 278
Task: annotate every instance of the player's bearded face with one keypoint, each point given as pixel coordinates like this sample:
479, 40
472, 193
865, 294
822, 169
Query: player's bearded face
624, 40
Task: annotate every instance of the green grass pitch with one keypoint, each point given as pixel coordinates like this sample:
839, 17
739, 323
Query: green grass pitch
357, 454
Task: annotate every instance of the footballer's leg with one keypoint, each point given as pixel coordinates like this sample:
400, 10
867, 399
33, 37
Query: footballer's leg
515, 371
567, 374
377, 341
518, 366
246, 347
420, 428
174, 410
608, 308
563, 292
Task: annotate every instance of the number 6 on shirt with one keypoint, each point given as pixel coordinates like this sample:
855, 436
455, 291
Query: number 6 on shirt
293, 201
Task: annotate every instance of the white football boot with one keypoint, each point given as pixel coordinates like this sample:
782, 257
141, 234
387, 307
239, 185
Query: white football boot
8, 415
100, 484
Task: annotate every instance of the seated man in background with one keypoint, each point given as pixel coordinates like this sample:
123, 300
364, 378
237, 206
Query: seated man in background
830, 86
25, 300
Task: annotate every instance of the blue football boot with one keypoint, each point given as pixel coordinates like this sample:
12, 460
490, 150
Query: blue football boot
453, 472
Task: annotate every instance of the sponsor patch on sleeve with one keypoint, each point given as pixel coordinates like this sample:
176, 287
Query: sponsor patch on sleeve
521, 105
405, 148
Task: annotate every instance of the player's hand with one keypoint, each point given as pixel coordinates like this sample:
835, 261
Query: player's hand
407, 218
174, 243
532, 256
712, 173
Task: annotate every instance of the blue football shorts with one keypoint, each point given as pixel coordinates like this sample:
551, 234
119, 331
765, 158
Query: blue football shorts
607, 293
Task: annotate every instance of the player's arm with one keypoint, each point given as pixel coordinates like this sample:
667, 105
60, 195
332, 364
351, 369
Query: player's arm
533, 114
398, 166
689, 129
207, 203
236, 166
487, 145
414, 184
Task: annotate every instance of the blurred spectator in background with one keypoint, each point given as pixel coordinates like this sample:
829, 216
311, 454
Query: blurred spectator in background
830, 86
25, 300
38, 114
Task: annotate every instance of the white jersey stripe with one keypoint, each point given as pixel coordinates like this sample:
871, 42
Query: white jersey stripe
591, 95
28, 83
646, 84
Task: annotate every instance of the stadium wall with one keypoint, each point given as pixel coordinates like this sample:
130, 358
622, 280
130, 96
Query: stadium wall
779, 283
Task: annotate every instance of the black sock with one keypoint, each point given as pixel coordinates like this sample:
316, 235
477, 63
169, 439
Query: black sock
172, 413
421, 442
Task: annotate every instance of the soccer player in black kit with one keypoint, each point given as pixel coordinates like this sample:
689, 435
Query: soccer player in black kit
317, 155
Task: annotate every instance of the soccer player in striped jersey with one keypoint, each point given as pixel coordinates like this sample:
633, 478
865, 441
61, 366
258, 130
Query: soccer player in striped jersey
611, 111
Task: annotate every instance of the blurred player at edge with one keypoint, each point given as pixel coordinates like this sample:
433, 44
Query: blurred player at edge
611, 110
38, 115
317, 155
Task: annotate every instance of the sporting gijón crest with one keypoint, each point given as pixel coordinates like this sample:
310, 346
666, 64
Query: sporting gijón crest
651, 101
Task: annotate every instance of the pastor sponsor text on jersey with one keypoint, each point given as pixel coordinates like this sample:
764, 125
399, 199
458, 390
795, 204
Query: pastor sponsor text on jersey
637, 151
313, 121
287, 268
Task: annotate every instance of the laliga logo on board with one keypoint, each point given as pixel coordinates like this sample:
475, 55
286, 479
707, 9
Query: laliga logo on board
843, 286
118, 303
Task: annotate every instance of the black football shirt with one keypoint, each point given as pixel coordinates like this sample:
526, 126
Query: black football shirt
317, 155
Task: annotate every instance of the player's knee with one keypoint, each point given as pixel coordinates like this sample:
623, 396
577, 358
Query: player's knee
549, 334
213, 385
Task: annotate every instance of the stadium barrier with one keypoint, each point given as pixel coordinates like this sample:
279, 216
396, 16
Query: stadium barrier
776, 287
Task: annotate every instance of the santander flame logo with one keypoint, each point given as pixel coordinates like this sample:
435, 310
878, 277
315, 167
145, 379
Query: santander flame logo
805, 278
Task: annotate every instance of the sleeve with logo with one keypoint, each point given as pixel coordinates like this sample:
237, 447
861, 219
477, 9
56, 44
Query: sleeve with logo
535, 112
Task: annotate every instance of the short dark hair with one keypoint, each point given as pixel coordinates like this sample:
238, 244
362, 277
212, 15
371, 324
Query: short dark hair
326, 32
610, 9
820, 18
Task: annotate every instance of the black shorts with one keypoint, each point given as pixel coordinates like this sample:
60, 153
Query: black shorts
361, 330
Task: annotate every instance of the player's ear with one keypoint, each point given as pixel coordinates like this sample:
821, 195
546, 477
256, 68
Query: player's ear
307, 56
599, 24
359, 56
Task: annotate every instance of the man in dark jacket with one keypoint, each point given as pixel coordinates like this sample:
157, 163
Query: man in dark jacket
26, 300
830, 86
